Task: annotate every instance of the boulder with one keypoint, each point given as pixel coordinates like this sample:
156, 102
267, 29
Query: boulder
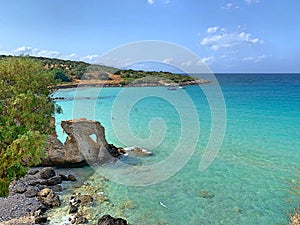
48, 197
79, 148
109, 220
47, 173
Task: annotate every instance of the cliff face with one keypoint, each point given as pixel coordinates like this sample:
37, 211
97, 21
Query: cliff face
80, 149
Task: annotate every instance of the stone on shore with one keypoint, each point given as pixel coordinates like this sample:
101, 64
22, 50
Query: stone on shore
48, 197
109, 220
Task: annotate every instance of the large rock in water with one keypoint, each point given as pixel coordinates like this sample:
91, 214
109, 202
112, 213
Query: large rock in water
80, 149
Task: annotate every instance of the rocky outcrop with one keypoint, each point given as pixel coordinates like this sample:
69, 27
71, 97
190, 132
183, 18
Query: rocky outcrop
80, 148
109, 220
33, 194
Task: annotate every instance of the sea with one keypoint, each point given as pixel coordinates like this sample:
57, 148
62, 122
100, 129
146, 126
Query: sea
227, 152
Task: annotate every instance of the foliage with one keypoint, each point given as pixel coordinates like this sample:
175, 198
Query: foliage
60, 74
26, 110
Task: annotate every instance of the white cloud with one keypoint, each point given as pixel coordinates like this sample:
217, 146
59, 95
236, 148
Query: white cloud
206, 60
151, 2
212, 29
25, 50
168, 60
186, 64
230, 5
254, 58
249, 2
218, 38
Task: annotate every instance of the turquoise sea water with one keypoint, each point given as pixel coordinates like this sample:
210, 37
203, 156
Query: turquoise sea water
249, 177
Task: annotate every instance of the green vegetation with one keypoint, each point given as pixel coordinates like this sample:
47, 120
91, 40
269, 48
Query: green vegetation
26, 110
67, 71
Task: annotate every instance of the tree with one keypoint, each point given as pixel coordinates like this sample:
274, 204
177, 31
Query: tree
60, 74
26, 110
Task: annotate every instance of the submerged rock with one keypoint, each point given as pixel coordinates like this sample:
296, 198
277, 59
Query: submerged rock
206, 194
109, 220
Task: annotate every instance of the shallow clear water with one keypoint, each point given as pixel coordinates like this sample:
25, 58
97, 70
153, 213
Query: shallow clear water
248, 178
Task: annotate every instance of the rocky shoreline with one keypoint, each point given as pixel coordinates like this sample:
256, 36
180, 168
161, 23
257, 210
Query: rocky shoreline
31, 196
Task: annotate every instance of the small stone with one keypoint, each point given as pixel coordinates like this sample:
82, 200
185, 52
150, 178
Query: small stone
54, 180
206, 194
40, 219
72, 178
86, 200
109, 220
48, 198
73, 209
63, 177
34, 182
81, 220
47, 173
31, 192
33, 171
20, 188
56, 188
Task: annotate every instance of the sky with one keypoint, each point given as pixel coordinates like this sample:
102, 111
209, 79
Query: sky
229, 36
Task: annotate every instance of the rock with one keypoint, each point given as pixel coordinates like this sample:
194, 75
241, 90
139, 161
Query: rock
72, 178
137, 152
56, 188
81, 220
54, 180
20, 188
79, 148
40, 220
85, 200
48, 197
109, 220
63, 177
33, 171
73, 209
31, 192
47, 173
206, 194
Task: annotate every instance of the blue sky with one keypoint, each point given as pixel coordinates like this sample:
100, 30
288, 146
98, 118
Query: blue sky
229, 36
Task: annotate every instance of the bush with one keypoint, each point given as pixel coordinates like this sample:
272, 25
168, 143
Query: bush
26, 110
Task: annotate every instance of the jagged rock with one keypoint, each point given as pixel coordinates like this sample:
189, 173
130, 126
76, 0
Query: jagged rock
48, 197
54, 181
47, 173
109, 220
80, 149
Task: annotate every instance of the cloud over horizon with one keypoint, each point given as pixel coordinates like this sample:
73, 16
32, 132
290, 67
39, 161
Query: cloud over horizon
217, 38
27, 50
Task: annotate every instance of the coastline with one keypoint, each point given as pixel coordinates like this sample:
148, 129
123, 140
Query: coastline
97, 83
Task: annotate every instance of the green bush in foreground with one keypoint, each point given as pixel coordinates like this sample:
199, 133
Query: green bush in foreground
26, 111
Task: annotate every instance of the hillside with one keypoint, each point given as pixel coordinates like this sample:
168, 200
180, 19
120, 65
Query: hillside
74, 73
